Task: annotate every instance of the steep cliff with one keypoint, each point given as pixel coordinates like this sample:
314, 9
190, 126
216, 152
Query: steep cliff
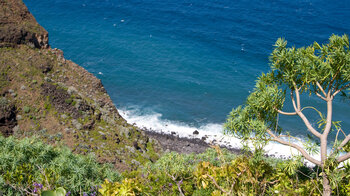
18, 26
44, 95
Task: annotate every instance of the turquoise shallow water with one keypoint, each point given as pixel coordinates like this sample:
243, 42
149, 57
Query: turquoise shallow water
187, 62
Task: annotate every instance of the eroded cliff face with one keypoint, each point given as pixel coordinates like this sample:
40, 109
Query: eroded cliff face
18, 26
42, 94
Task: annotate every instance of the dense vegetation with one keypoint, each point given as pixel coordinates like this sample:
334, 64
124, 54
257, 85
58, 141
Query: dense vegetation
217, 172
29, 166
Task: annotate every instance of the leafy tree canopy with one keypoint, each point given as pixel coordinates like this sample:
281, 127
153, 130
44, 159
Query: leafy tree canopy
319, 70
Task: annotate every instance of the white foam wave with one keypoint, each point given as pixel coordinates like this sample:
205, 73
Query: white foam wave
212, 132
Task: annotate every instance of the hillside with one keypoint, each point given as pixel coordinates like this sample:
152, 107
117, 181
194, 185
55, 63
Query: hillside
43, 94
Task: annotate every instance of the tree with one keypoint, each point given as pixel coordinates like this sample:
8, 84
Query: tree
322, 71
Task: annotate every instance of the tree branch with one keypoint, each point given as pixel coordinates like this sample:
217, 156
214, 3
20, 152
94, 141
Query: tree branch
293, 101
297, 96
344, 142
320, 96
322, 90
344, 157
300, 149
287, 113
344, 87
308, 125
302, 116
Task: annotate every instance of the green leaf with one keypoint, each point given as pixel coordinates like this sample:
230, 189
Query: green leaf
48, 193
60, 191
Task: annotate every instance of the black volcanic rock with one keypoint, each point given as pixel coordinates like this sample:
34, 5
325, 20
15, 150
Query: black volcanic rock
7, 117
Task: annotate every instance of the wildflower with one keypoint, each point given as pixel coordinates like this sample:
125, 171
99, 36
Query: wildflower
170, 184
38, 185
67, 194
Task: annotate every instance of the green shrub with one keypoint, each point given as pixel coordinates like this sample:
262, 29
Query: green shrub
29, 162
26, 109
218, 172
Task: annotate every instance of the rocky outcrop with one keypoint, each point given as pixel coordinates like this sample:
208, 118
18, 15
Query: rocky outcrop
18, 26
58, 100
7, 117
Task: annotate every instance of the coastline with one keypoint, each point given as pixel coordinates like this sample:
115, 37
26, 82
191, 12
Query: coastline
173, 142
182, 138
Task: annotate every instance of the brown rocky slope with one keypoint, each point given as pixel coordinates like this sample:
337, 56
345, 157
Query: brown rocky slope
44, 95
18, 26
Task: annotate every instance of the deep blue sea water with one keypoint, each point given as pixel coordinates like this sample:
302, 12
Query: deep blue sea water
187, 62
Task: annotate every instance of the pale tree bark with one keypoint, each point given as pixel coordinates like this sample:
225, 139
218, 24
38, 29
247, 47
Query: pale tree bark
327, 96
327, 190
295, 146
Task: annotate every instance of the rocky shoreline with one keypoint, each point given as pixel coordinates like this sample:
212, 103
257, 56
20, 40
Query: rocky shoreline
173, 142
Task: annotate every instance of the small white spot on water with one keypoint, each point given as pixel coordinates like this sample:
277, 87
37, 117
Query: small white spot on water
242, 47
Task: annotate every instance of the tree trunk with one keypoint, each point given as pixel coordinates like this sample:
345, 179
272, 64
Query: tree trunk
327, 191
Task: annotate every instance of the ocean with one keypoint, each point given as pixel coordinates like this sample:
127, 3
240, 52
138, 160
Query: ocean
183, 65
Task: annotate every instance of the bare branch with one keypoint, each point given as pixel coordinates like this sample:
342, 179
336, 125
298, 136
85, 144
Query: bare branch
322, 90
344, 157
344, 142
300, 149
297, 96
344, 87
293, 101
320, 96
287, 113
343, 132
308, 125
302, 116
